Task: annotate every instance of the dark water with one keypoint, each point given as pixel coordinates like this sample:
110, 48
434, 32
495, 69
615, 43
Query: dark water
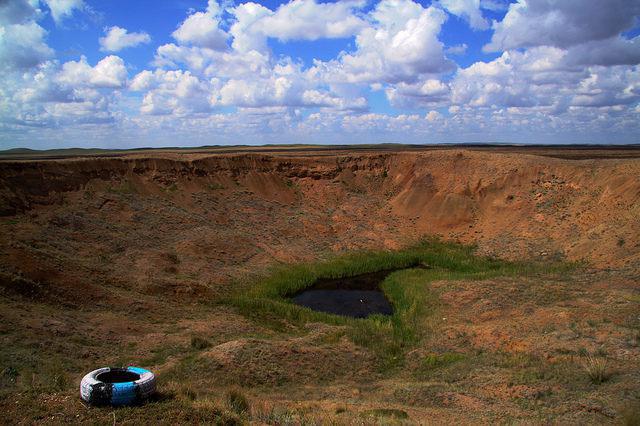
358, 296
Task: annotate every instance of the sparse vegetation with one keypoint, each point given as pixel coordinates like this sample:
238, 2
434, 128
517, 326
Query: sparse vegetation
596, 369
280, 416
237, 402
124, 187
386, 412
199, 343
434, 361
215, 187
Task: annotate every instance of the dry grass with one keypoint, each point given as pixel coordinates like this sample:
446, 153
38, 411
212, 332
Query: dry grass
596, 369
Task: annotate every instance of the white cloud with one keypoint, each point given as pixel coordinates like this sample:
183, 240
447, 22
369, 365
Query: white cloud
427, 93
173, 92
38, 99
400, 44
540, 79
296, 20
467, 9
61, 9
212, 63
117, 38
310, 20
110, 72
245, 39
433, 116
202, 29
22, 46
565, 23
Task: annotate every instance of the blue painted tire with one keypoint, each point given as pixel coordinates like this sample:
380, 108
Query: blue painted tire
117, 386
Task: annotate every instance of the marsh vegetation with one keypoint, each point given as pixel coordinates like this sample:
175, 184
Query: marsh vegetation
408, 289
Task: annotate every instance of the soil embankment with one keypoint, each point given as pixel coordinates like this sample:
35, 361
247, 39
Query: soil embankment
212, 216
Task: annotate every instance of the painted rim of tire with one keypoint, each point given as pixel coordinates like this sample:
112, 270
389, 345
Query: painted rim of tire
120, 391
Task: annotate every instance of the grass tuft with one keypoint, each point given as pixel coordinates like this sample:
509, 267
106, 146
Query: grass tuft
199, 343
237, 402
596, 369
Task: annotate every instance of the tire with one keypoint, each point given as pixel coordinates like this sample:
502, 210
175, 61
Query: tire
117, 386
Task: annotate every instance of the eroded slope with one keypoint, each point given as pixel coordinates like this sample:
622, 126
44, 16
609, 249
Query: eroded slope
145, 220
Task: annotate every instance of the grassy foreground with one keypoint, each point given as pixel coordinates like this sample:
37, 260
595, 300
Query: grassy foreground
407, 289
472, 338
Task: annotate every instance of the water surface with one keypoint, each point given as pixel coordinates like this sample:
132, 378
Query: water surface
358, 296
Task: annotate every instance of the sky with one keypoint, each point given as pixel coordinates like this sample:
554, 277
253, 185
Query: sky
124, 74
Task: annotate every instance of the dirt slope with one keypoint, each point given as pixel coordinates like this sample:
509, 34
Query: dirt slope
218, 213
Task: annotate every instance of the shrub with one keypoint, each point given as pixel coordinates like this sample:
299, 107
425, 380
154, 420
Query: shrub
387, 412
198, 342
278, 416
433, 361
237, 402
596, 368
215, 186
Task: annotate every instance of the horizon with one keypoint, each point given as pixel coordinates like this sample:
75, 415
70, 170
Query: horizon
84, 74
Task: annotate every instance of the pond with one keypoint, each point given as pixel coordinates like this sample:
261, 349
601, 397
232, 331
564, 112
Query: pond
358, 296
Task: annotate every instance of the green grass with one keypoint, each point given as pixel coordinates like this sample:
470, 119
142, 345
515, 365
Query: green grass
215, 187
268, 300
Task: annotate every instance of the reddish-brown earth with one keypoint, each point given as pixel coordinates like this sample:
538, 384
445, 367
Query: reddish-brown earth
125, 250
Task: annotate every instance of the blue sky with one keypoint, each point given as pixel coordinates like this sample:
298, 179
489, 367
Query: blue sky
122, 74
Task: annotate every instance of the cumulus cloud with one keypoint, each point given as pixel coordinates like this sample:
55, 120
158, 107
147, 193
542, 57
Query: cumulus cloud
48, 96
400, 44
309, 20
172, 92
61, 9
539, 80
117, 38
429, 93
296, 20
22, 46
202, 29
22, 40
530, 23
110, 72
467, 9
